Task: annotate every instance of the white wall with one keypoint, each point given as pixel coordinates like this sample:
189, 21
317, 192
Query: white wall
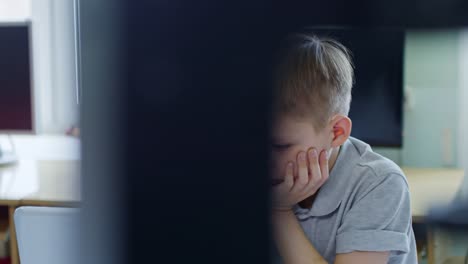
463, 115
53, 58
463, 100
431, 120
54, 65
14, 10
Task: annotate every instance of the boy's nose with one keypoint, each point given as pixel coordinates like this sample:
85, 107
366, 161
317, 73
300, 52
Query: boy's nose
276, 181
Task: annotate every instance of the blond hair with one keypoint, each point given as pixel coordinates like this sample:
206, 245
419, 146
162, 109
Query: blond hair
313, 79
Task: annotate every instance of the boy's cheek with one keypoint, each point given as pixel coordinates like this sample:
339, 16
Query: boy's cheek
276, 173
274, 170
278, 166
273, 166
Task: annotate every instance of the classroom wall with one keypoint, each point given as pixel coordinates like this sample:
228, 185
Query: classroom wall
14, 10
431, 114
463, 116
463, 100
56, 107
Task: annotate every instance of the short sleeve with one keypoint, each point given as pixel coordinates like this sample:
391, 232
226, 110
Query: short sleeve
379, 219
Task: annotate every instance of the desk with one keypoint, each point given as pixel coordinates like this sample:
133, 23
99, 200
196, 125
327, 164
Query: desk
428, 188
46, 174
431, 187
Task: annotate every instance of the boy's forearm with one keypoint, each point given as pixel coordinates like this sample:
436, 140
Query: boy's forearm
292, 243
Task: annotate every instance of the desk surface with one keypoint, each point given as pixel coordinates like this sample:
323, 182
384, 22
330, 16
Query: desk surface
432, 187
47, 172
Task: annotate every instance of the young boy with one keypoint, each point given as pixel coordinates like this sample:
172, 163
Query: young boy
334, 199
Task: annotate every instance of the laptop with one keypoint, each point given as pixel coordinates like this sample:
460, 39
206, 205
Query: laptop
47, 235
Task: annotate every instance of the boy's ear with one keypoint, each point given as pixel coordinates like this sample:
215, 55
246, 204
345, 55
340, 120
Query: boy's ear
341, 130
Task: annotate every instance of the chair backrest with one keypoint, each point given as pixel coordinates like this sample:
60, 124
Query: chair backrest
47, 234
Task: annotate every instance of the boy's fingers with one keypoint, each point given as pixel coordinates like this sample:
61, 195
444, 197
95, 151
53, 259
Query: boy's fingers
289, 177
302, 172
314, 167
324, 165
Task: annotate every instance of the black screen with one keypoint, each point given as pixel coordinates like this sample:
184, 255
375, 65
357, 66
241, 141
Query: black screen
15, 79
376, 107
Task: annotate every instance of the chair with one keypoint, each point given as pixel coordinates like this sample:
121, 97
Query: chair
47, 234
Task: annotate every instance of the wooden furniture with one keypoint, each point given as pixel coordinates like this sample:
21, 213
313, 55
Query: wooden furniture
431, 187
46, 174
428, 188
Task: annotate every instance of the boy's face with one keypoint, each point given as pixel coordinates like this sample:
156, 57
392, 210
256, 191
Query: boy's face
289, 137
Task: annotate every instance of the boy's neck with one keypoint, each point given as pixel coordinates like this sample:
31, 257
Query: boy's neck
333, 158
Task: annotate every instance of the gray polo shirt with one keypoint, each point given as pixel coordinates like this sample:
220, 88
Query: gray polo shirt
364, 206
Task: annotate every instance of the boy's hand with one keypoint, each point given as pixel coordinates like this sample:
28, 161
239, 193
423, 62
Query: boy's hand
311, 171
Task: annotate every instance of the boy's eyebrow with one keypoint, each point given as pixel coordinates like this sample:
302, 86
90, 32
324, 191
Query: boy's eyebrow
277, 140
283, 140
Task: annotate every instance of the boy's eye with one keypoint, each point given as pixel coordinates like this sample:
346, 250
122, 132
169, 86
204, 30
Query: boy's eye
280, 146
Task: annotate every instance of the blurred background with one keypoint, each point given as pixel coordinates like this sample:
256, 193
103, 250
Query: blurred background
39, 118
132, 113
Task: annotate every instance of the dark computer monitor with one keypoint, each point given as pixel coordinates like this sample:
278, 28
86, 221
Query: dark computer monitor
16, 105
